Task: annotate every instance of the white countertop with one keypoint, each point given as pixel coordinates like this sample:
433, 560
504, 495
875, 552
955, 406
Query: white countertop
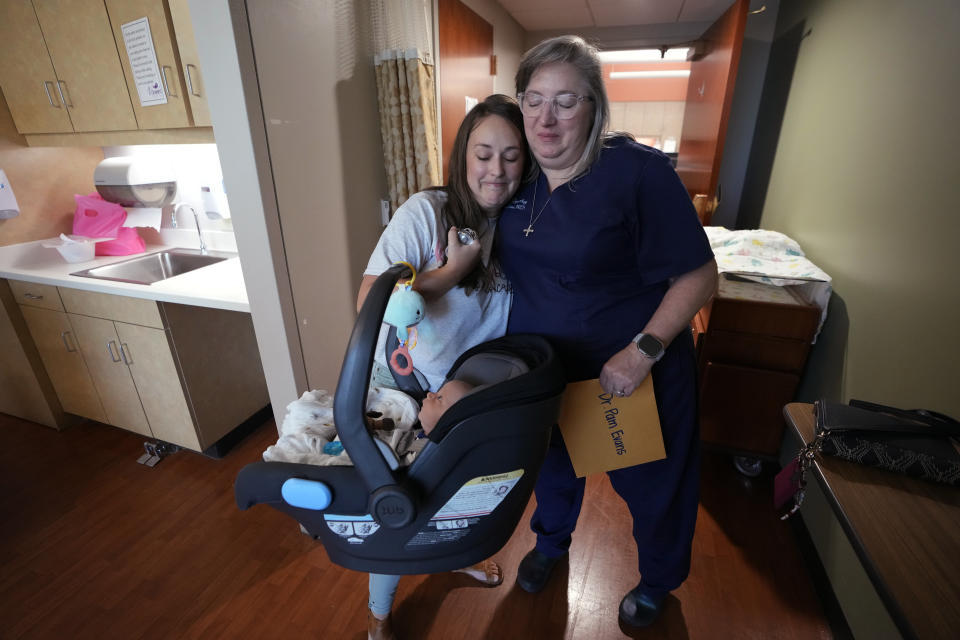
219, 285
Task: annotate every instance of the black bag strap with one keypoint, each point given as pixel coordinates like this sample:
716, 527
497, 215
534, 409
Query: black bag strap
860, 415
406, 383
926, 416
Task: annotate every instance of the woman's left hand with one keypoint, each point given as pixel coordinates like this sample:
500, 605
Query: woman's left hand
624, 372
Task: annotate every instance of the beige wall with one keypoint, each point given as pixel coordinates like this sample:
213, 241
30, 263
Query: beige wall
649, 120
227, 59
318, 90
864, 178
44, 180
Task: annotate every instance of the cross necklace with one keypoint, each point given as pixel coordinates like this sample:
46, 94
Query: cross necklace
533, 206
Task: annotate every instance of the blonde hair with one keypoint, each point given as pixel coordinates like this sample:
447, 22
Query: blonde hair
575, 51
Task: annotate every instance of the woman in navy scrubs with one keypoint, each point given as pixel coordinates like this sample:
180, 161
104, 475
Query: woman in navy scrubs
608, 260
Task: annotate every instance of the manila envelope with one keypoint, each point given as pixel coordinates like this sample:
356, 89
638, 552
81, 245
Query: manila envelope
604, 432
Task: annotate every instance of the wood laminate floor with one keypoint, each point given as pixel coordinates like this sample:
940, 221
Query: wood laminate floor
93, 545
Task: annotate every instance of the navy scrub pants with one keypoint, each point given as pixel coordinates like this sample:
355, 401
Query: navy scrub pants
662, 496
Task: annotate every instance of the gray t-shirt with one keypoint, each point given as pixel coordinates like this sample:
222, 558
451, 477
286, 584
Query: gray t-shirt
455, 322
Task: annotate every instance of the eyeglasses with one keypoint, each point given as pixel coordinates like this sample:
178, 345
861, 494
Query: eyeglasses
565, 105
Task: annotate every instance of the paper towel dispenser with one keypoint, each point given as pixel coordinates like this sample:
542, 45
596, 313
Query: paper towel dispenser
135, 182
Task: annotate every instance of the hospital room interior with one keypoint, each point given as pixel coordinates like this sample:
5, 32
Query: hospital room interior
189, 197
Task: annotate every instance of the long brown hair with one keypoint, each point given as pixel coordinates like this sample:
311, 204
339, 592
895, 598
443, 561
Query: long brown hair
461, 209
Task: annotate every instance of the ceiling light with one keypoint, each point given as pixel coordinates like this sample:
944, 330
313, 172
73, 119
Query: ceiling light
645, 55
675, 73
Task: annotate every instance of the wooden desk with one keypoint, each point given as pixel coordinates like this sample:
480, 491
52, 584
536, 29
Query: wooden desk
906, 533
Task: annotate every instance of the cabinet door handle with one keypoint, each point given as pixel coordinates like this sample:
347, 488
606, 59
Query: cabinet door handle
64, 93
190, 80
46, 89
111, 345
32, 296
63, 336
124, 350
166, 84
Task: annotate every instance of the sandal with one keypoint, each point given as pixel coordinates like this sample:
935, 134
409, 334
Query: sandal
378, 629
487, 573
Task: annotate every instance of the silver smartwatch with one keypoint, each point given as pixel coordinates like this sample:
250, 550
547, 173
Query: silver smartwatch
649, 346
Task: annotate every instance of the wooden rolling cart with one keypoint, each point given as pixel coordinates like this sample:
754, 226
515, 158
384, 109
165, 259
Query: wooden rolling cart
753, 340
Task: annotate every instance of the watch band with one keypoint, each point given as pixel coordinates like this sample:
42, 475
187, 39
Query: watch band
649, 346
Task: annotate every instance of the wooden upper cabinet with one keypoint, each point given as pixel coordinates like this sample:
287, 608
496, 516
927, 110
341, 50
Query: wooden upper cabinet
66, 70
80, 42
26, 75
174, 113
190, 59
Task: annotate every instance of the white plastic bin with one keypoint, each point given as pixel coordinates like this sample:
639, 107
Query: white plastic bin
82, 249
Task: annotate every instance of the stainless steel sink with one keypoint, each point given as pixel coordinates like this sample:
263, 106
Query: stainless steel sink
154, 267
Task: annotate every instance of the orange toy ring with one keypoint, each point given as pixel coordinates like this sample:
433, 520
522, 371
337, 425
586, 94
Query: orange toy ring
401, 350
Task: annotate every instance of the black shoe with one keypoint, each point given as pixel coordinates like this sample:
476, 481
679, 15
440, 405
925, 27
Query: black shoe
535, 570
640, 610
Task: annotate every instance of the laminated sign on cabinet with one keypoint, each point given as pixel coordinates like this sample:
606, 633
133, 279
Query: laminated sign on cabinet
126, 69
156, 77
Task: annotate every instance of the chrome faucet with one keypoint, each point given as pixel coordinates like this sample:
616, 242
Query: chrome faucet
196, 219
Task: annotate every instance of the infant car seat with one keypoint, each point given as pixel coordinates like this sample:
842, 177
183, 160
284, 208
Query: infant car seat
461, 499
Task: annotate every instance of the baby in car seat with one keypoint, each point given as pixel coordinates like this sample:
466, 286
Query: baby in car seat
308, 434
435, 404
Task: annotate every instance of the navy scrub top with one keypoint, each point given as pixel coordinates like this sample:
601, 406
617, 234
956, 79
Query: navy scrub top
597, 263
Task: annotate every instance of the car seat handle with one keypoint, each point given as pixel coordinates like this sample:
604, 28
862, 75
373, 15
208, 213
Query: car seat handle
349, 401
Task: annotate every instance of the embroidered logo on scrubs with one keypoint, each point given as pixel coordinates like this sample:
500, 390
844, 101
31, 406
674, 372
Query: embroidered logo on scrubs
517, 203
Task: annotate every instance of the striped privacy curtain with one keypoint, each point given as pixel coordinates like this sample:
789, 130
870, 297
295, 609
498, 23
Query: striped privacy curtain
406, 92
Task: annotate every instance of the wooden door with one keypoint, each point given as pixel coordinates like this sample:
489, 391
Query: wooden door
465, 60
27, 77
57, 345
101, 350
84, 55
709, 95
173, 114
196, 92
147, 352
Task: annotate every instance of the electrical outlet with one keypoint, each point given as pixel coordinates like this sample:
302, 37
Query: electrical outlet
385, 212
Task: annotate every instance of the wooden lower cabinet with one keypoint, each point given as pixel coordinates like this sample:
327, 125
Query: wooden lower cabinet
102, 350
182, 374
146, 352
59, 350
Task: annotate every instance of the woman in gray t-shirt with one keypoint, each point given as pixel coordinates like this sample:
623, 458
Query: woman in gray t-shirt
467, 297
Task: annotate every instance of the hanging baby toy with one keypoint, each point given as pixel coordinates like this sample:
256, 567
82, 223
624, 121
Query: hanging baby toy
405, 309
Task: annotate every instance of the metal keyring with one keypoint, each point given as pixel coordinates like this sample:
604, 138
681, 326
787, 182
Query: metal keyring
466, 235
